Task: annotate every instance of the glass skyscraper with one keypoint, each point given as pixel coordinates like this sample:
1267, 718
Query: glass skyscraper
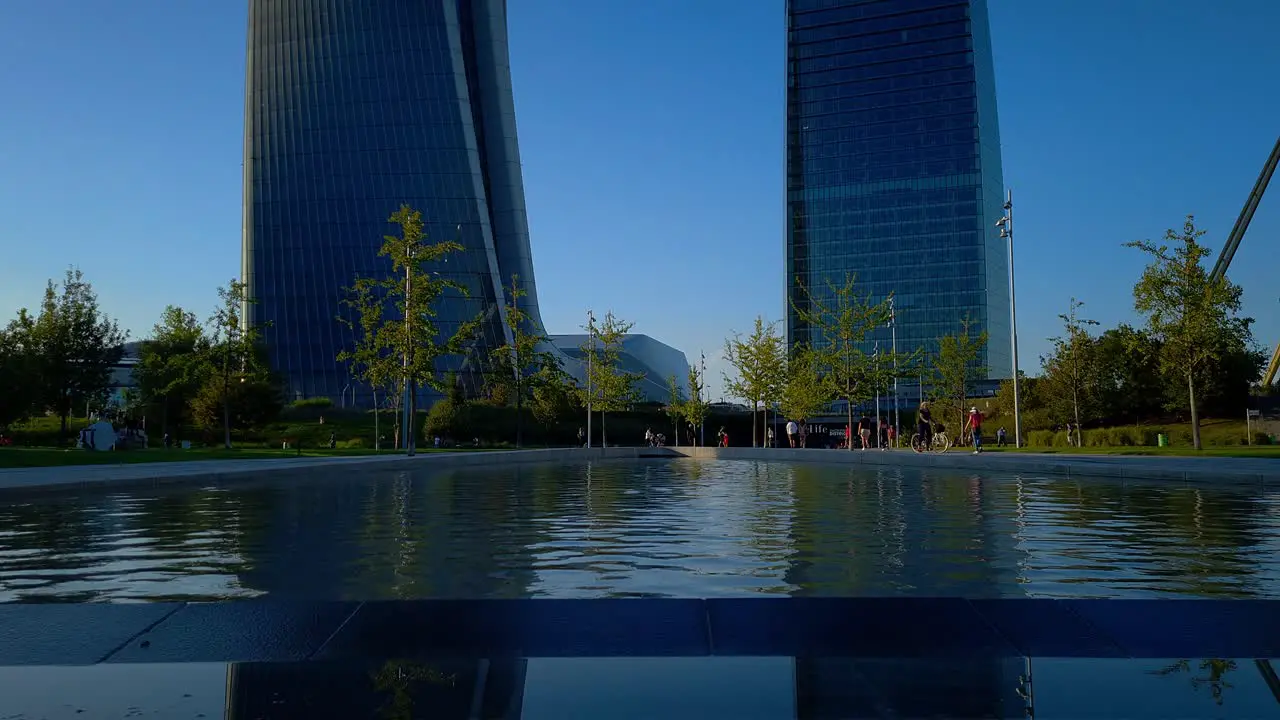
893, 166
352, 108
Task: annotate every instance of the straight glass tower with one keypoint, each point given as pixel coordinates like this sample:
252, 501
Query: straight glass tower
353, 107
893, 166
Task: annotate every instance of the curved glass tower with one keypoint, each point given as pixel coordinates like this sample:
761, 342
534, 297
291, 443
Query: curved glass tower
351, 109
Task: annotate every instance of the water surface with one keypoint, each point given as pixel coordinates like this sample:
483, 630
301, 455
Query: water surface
678, 528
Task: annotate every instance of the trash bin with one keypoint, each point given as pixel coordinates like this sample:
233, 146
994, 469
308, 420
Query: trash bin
1162, 440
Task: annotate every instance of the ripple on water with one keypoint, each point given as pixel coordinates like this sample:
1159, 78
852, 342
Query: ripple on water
645, 529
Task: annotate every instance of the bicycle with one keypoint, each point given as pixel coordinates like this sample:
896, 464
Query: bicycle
939, 443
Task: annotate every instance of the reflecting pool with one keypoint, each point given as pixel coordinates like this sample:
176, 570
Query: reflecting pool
680, 528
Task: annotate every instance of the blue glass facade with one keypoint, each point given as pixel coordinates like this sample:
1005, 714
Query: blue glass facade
893, 166
351, 109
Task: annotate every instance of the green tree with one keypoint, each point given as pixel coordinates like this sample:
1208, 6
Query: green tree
610, 388
1071, 371
844, 319
958, 366
553, 396
518, 362
76, 345
1193, 317
235, 349
758, 363
173, 365
1033, 407
1129, 382
19, 371
695, 408
408, 345
674, 407
248, 401
804, 391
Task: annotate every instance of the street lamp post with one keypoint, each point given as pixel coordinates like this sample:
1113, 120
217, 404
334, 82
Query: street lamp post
409, 389
591, 343
702, 385
893, 327
877, 423
1005, 224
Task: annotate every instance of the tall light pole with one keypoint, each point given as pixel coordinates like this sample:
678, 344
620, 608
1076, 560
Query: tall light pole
877, 423
702, 386
409, 389
893, 327
591, 343
1005, 224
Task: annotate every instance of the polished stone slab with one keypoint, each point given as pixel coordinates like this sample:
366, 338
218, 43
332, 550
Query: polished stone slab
73, 633
1169, 628
866, 627
899, 627
1046, 628
244, 631
1260, 471
515, 628
620, 688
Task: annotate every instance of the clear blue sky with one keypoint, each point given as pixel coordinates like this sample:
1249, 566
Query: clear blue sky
652, 141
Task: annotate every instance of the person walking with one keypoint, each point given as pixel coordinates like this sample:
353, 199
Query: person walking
864, 431
974, 424
1000, 437
792, 429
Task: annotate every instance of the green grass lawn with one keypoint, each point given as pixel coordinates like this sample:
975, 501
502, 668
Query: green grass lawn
22, 457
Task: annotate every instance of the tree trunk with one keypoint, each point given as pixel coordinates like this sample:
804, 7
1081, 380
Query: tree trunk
604, 440
848, 428
1075, 404
410, 431
519, 415
1195, 412
64, 409
754, 403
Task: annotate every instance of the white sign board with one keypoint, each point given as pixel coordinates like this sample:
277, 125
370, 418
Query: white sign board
1255, 413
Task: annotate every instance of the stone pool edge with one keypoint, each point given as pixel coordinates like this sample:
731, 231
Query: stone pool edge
1259, 471
1236, 471
84, 477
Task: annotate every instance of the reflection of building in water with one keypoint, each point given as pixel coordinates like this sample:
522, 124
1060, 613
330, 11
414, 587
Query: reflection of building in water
915, 687
890, 533
393, 690
379, 535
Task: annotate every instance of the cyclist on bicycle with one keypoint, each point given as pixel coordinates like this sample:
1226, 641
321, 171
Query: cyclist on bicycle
924, 425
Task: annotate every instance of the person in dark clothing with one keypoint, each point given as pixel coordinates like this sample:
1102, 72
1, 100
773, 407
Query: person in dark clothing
924, 425
864, 431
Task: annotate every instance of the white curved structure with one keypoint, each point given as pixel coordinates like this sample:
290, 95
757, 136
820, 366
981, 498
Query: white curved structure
640, 353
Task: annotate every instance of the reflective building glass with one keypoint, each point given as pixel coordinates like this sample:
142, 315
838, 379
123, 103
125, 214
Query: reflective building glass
893, 166
353, 107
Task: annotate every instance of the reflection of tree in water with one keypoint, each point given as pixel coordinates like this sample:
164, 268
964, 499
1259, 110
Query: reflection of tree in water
1217, 669
401, 678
